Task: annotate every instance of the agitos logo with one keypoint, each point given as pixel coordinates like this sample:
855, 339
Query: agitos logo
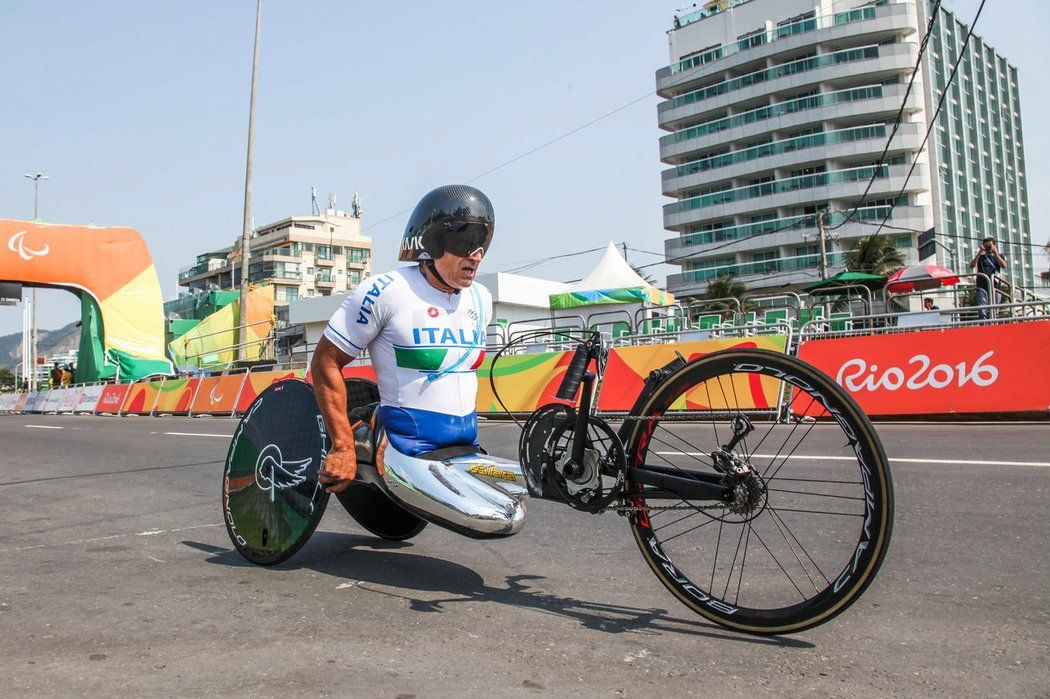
17, 244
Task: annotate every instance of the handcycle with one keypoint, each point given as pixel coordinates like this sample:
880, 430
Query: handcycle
755, 488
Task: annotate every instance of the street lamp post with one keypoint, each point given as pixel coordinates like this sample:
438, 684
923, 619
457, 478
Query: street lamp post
36, 217
246, 227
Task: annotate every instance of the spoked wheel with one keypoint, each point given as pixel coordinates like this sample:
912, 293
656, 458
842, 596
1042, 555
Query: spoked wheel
812, 510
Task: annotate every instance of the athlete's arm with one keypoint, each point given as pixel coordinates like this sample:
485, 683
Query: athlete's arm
326, 369
350, 330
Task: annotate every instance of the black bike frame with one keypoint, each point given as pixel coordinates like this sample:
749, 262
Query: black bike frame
662, 482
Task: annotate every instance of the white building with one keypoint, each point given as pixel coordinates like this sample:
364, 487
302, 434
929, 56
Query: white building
302, 256
779, 109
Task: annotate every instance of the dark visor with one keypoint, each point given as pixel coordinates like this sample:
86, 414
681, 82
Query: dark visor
463, 239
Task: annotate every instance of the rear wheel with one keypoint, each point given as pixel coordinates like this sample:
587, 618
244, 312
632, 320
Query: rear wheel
812, 521
379, 514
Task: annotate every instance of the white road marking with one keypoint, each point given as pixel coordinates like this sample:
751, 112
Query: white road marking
46, 427
107, 538
197, 434
904, 460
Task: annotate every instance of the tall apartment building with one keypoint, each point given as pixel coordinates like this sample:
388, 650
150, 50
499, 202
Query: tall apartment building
302, 256
779, 109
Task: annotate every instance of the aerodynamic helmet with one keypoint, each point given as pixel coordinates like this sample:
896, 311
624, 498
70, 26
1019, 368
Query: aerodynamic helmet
455, 218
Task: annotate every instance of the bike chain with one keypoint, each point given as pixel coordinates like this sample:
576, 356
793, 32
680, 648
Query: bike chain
628, 510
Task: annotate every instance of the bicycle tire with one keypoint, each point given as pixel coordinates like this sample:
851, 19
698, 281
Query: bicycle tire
875, 531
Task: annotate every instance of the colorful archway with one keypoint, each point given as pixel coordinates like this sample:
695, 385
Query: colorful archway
110, 269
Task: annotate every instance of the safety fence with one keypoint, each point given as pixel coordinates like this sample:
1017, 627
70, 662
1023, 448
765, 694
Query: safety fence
935, 363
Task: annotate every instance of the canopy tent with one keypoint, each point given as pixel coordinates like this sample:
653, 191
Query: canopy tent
611, 281
848, 278
110, 269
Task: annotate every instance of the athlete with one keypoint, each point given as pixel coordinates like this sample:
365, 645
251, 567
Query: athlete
424, 329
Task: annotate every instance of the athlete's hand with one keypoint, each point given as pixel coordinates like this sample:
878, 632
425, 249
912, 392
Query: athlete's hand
338, 470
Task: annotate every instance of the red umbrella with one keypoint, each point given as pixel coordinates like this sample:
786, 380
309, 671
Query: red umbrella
920, 278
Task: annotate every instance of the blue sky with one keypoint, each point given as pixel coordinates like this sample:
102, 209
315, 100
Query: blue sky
137, 111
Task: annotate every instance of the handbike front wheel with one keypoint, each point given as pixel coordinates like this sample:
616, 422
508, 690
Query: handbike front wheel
814, 526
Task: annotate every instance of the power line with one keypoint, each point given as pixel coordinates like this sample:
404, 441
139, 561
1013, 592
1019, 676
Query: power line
897, 120
933, 118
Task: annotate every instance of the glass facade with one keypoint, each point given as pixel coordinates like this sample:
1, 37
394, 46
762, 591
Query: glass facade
978, 147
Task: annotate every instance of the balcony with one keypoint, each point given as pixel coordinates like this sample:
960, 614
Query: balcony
869, 63
324, 259
788, 231
324, 279
209, 268
865, 104
857, 143
861, 23
845, 184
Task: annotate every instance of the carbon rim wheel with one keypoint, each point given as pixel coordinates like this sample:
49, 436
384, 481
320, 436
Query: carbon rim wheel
271, 498
813, 521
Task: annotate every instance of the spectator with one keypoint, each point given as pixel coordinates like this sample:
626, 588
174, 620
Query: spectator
988, 263
927, 305
67, 376
56, 376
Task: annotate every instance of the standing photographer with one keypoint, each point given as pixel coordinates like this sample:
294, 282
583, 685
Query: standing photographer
989, 263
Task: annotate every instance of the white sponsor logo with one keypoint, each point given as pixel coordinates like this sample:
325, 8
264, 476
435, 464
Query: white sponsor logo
272, 472
215, 398
856, 375
17, 244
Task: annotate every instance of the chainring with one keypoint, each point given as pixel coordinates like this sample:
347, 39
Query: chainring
593, 485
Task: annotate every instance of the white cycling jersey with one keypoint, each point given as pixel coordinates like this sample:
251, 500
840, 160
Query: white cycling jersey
425, 346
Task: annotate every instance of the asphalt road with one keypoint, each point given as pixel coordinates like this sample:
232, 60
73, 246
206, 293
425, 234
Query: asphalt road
117, 577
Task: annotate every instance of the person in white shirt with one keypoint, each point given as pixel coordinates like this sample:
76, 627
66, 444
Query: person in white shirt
424, 328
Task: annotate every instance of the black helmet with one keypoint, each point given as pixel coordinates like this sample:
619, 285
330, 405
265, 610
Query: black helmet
455, 218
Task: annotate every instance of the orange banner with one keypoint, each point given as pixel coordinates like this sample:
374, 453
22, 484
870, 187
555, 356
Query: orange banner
992, 369
217, 395
628, 368
112, 398
257, 383
175, 396
141, 398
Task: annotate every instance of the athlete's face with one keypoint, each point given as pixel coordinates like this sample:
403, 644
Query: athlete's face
458, 271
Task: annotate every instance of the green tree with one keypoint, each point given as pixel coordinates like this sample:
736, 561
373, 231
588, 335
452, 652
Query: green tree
726, 288
7, 379
874, 254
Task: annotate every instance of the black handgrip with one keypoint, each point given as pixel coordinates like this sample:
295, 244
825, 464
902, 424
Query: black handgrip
574, 374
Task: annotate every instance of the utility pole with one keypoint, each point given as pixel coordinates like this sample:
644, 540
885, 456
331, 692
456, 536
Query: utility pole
246, 227
36, 217
823, 236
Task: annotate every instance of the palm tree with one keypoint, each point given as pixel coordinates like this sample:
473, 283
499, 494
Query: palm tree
725, 288
874, 254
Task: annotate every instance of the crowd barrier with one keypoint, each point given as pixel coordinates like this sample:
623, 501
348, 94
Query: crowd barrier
979, 368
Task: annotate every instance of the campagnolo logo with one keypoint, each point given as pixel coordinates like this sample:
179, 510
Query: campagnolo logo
854, 442
273, 473
17, 244
856, 375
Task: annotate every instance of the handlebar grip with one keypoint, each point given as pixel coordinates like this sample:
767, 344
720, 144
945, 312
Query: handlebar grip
570, 383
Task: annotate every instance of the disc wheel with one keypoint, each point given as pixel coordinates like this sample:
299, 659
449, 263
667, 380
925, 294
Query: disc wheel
271, 498
813, 513
379, 514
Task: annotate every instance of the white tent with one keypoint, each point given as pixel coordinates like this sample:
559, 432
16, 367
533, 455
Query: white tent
611, 281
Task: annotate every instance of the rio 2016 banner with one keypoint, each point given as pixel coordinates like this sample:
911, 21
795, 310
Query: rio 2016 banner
990, 369
629, 366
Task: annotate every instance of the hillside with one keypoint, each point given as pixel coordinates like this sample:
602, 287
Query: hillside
49, 342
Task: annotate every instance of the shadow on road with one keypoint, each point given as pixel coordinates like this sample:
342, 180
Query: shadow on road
373, 564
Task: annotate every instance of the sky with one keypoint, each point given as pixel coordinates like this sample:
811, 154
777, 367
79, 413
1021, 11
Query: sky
138, 114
